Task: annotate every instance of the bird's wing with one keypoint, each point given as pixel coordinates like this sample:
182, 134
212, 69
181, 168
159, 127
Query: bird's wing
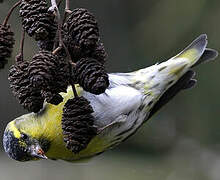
113, 103
115, 113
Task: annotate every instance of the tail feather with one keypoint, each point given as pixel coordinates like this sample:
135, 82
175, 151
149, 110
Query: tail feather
168, 78
208, 55
198, 54
167, 73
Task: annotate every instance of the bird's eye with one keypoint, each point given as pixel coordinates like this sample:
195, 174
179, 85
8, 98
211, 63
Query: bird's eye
24, 136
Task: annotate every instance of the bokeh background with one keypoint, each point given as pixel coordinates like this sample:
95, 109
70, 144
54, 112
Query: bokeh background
183, 140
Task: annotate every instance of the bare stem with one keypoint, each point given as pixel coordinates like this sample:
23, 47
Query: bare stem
67, 10
68, 55
74, 90
20, 56
10, 12
22, 44
56, 50
56, 10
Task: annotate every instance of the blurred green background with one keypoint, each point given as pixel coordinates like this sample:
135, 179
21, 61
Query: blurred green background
183, 140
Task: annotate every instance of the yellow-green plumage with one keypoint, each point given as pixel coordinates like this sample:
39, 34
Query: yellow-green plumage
47, 125
131, 100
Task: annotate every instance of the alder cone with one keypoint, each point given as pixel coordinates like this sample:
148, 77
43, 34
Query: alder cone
99, 53
81, 36
91, 75
28, 96
48, 43
50, 74
6, 44
36, 20
78, 124
42, 68
51, 40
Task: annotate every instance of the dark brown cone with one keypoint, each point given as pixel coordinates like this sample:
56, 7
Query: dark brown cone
78, 124
51, 40
50, 74
47, 44
81, 33
36, 20
28, 96
91, 75
6, 44
99, 53
52, 98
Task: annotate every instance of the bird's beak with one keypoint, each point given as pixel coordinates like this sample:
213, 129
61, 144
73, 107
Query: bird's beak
37, 152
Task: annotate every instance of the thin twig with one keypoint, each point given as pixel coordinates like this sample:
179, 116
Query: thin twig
56, 50
68, 54
67, 11
67, 8
22, 44
20, 56
10, 12
56, 10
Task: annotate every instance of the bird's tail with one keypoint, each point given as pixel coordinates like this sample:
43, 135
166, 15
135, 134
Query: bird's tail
156, 79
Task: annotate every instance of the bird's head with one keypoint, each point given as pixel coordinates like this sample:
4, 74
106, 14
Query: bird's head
21, 146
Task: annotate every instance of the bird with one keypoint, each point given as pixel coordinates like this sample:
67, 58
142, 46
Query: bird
129, 102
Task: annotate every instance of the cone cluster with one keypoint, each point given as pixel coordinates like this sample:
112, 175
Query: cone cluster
80, 60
